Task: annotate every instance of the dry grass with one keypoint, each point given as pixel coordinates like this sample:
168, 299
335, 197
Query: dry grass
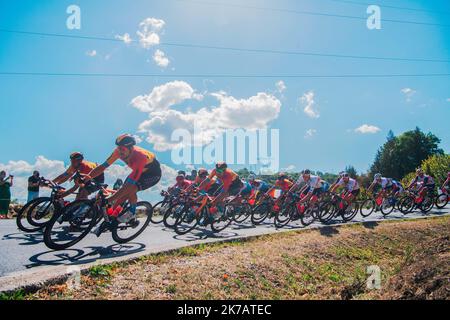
315, 264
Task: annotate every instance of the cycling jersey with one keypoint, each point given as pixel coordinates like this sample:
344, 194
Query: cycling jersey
183, 185
260, 185
425, 180
284, 184
140, 160
314, 182
227, 177
351, 185
385, 182
397, 185
198, 181
85, 167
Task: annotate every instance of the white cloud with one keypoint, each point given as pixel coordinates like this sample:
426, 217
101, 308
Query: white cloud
149, 30
308, 100
91, 53
289, 168
310, 133
409, 93
365, 129
281, 86
164, 96
125, 38
231, 113
160, 58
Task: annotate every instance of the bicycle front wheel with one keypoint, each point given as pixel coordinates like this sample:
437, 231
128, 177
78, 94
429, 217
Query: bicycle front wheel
367, 207
123, 232
21, 219
187, 221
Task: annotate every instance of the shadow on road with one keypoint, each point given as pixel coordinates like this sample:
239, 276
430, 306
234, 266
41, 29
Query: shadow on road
202, 234
85, 255
25, 239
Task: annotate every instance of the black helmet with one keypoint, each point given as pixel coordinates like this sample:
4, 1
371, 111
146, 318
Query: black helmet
125, 140
221, 165
306, 171
202, 172
76, 156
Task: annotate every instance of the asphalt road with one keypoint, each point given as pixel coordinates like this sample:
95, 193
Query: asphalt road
20, 252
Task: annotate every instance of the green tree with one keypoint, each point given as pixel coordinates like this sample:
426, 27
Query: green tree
437, 166
403, 154
351, 171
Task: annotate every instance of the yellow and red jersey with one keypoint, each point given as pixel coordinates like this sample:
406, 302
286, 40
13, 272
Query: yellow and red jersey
85, 167
227, 177
284, 185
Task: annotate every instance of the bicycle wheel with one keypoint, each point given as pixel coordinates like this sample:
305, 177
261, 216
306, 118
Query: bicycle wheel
159, 210
71, 225
387, 206
441, 201
40, 213
327, 211
406, 205
350, 212
309, 215
123, 232
21, 219
284, 216
172, 214
223, 220
260, 213
367, 207
241, 213
427, 204
187, 220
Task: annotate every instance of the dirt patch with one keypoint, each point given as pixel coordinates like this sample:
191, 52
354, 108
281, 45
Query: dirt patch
413, 257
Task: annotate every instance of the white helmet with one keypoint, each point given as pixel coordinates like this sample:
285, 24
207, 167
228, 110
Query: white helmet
377, 176
251, 177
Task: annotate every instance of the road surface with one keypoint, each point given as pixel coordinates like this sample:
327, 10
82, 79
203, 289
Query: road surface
24, 256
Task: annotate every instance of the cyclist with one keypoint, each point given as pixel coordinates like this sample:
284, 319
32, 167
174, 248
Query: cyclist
82, 167
351, 187
313, 186
146, 172
386, 184
211, 187
283, 182
425, 182
259, 185
232, 184
181, 184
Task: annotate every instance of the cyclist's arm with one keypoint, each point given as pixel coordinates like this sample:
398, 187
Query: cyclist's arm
372, 185
101, 168
207, 180
64, 176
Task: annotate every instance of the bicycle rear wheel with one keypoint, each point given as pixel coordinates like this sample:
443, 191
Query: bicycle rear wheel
327, 211
159, 211
241, 212
284, 216
350, 212
427, 204
309, 215
387, 206
123, 232
172, 214
71, 225
224, 220
441, 201
406, 205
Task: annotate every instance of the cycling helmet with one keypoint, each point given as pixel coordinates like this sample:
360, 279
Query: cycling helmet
377, 176
419, 171
345, 175
180, 177
76, 156
306, 171
125, 140
251, 177
181, 172
202, 172
221, 165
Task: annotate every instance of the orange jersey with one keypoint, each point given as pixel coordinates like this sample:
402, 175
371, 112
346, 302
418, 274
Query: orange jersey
198, 181
227, 177
85, 167
137, 161
284, 185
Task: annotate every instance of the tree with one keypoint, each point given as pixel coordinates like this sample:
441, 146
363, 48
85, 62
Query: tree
437, 166
351, 171
403, 154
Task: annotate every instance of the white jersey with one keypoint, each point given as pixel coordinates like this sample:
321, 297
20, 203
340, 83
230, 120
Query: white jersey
314, 182
385, 182
351, 185
424, 180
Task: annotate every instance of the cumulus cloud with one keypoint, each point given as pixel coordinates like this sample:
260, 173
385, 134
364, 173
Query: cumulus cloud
164, 96
409, 93
366, 129
126, 38
148, 32
91, 53
160, 58
308, 101
230, 113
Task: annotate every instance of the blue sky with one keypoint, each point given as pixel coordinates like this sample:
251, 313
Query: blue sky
52, 116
